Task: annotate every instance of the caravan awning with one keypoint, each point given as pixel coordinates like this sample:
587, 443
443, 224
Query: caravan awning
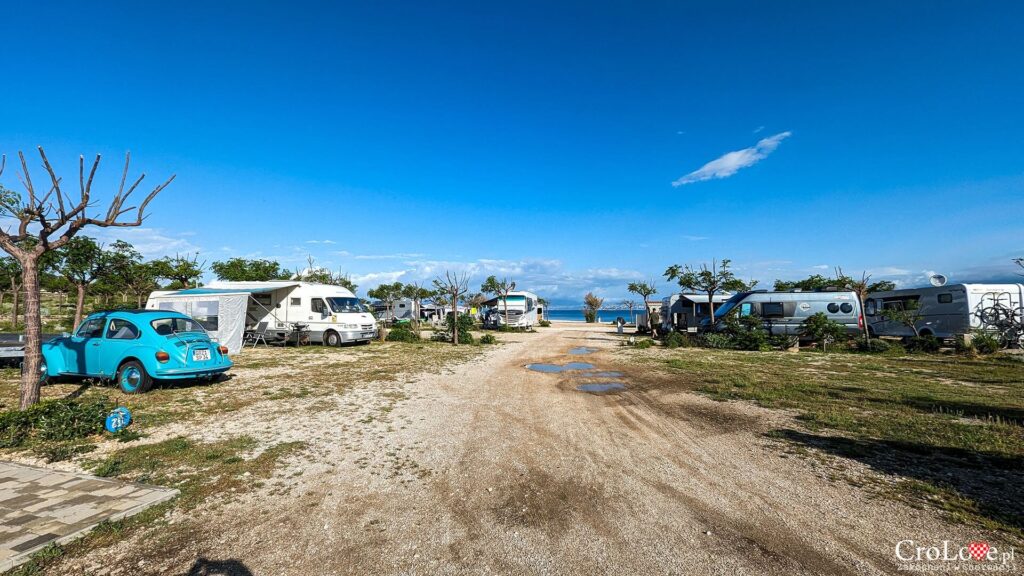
211, 291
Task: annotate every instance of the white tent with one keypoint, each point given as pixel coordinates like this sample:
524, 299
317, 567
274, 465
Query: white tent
222, 311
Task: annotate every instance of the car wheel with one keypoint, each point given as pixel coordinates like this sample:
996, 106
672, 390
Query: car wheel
332, 339
132, 378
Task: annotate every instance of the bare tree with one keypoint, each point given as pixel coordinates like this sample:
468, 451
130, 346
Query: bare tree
645, 290
47, 222
454, 285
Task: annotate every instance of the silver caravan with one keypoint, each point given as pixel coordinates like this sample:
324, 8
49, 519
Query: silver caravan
684, 312
950, 311
784, 312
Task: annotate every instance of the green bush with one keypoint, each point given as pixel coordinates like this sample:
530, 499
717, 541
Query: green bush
677, 340
488, 339
985, 343
644, 344
717, 340
465, 325
819, 328
926, 344
747, 332
873, 345
53, 421
403, 333
544, 324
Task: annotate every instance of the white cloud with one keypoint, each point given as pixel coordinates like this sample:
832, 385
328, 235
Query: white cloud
732, 162
320, 242
150, 242
694, 238
397, 256
821, 267
758, 129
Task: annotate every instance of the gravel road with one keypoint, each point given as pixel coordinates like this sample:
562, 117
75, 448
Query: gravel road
493, 468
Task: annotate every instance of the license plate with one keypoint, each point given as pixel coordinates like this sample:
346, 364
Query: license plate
367, 334
200, 355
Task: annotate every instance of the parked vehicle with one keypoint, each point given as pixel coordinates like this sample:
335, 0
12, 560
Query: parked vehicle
952, 310
684, 312
784, 312
332, 315
134, 348
522, 310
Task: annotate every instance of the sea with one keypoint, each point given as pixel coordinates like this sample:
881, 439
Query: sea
604, 316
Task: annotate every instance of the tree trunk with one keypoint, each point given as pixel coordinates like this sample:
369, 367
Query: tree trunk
711, 309
79, 305
505, 302
30, 380
455, 319
14, 309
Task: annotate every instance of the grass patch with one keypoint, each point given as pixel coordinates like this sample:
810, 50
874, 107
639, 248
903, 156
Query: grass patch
198, 470
951, 427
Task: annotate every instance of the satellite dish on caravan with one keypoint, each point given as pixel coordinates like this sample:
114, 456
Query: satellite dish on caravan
937, 280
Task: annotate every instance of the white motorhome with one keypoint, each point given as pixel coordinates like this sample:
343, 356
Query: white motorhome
331, 314
522, 310
952, 310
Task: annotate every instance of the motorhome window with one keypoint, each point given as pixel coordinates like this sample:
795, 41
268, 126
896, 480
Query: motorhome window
728, 306
206, 312
872, 308
945, 298
833, 307
746, 309
317, 305
905, 303
296, 301
122, 330
772, 310
846, 307
341, 304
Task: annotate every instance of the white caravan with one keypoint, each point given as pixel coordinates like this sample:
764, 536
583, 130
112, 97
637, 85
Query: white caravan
331, 314
684, 312
953, 310
522, 310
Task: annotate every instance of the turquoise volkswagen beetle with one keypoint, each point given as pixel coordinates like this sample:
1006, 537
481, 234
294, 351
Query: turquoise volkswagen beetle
133, 348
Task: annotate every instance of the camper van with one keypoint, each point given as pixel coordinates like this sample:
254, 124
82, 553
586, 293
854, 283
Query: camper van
522, 311
331, 314
643, 324
784, 312
684, 312
952, 310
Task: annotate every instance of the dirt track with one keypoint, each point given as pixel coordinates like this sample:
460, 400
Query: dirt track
491, 468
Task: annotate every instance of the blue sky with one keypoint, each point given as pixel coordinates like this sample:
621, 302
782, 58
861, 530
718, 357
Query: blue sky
573, 146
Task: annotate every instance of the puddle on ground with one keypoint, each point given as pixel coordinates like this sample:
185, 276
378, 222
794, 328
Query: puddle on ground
579, 351
554, 368
600, 387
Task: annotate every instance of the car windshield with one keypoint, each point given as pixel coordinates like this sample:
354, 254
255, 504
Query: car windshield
342, 304
168, 326
731, 303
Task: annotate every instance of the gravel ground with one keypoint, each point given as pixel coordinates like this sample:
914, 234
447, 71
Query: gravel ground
488, 467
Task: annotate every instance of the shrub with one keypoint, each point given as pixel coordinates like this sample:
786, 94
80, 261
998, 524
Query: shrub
403, 333
488, 339
53, 421
873, 345
677, 340
465, 325
985, 343
747, 332
644, 344
717, 340
819, 328
544, 324
923, 344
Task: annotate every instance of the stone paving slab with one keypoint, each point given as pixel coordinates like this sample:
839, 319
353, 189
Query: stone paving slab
39, 506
